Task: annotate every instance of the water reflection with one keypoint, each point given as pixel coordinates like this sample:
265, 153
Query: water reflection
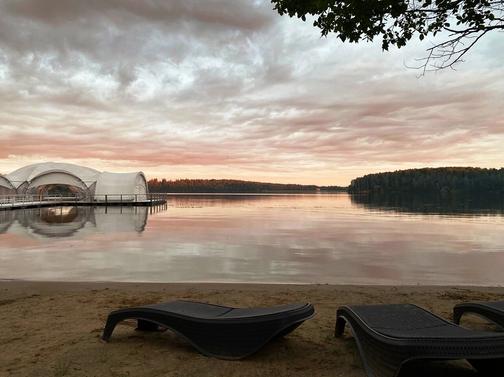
258, 238
250, 200
460, 204
67, 221
6, 220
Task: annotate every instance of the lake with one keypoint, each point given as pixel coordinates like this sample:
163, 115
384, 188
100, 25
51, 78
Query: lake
312, 238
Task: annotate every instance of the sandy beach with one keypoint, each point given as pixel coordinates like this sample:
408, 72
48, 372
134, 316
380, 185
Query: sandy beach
53, 329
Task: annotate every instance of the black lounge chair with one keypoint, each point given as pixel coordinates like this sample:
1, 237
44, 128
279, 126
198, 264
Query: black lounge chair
390, 335
492, 310
218, 331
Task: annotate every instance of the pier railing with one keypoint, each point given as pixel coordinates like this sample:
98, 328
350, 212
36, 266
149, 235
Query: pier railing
109, 198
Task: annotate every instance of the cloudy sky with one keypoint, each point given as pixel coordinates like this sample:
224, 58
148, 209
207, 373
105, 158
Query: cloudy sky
230, 89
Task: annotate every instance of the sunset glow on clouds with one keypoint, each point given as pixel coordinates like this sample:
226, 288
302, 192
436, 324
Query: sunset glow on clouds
230, 89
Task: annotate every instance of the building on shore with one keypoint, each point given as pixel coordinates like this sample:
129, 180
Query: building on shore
44, 178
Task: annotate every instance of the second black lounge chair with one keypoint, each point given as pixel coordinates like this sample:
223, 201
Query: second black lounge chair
492, 310
390, 335
218, 331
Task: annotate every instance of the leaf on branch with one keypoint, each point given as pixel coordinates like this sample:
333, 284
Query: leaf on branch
397, 21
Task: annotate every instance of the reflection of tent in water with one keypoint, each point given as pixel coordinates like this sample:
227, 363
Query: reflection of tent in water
66, 221
6, 219
55, 222
121, 219
62, 215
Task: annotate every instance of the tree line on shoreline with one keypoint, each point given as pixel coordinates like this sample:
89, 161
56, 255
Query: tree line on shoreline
443, 181
448, 180
230, 186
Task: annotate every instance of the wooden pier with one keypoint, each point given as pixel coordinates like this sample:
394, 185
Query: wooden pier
12, 202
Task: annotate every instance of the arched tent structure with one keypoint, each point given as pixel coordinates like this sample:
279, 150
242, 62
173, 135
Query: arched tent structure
58, 177
116, 184
6, 187
52, 173
91, 183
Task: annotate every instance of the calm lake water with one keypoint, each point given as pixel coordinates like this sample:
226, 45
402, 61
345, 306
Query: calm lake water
260, 238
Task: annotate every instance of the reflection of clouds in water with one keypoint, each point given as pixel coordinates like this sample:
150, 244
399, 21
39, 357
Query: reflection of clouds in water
304, 239
258, 200
67, 221
330, 249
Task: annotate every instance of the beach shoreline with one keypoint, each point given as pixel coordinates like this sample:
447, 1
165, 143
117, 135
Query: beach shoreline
54, 328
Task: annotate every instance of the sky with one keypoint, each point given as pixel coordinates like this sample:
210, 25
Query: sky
230, 89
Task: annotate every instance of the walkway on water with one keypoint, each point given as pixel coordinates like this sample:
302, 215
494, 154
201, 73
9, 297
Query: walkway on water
64, 202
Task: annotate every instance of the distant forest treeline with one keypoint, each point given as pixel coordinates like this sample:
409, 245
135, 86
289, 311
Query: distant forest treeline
432, 180
442, 181
231, 186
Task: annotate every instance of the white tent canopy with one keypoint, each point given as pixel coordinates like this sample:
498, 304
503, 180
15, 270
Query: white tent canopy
89, 182
125, 184
6, 187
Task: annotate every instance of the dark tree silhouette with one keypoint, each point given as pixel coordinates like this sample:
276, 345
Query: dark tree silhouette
230, 186
475, 181
464, 22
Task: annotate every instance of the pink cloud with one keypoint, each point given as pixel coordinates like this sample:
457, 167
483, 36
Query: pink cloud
182, 90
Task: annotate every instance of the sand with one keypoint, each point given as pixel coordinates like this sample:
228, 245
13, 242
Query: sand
53, 329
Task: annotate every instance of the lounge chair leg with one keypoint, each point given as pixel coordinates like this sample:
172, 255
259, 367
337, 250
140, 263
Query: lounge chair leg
143, 325
339, 329
457, 315
377, 361
109, 328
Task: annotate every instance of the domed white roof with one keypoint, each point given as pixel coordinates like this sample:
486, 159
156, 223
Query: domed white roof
28, 173
4, 182
117, 183
100, 185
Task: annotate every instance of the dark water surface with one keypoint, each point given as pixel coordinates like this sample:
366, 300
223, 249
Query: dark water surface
261, 238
